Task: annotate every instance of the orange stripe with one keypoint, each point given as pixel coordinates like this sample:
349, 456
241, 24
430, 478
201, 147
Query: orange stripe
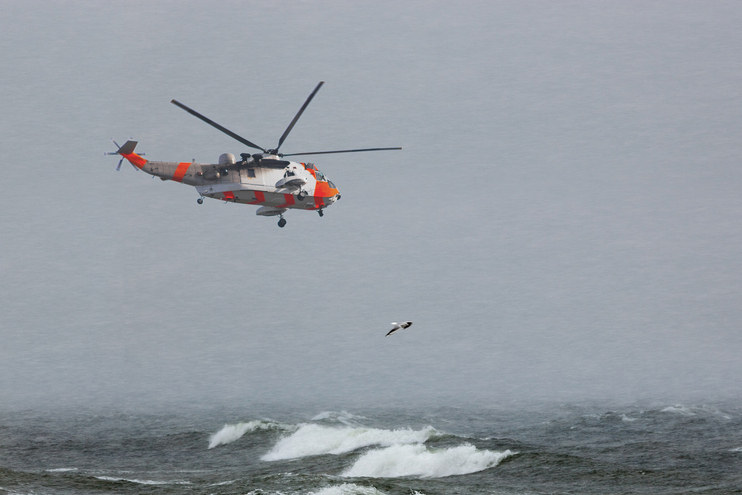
259, 198
135, 160
181, 171
289, 198
228, 195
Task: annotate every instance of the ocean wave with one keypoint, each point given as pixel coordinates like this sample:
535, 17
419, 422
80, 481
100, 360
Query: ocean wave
223, 483
143, 482
313, 439
60, 470
695, 410
348, 489
679, 409
230, 433
343, 417
419, 461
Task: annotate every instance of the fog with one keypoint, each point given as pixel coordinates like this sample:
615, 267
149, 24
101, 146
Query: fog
563, 223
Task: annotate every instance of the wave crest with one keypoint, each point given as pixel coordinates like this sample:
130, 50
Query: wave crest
694, 410
417, 460
343, 417
142, 482
313, 439
230, 433
348, 489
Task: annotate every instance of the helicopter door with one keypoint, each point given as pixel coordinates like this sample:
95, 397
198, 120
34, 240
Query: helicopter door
251, 175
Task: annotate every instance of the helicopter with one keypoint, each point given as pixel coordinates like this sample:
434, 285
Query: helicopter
262, 179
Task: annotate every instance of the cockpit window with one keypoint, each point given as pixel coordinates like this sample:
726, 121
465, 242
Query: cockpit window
319, 175
329, 183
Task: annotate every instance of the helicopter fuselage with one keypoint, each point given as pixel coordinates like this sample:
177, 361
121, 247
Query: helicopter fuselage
282, 185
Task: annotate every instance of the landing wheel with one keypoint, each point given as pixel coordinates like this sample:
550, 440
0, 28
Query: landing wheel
200, 201
301, 195
321, 212
282, 222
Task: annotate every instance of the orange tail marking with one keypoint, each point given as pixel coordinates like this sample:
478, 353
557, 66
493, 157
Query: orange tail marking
135, 160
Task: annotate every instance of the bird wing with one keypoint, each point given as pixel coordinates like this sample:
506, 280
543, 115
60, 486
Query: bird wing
397, 326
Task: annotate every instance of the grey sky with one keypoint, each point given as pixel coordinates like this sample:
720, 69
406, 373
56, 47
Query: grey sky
563, 222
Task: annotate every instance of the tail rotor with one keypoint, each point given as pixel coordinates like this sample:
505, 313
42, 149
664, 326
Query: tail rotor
118, 152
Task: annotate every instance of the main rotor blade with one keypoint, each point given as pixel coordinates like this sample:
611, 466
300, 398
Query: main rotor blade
339, 151
221, 128
301, 111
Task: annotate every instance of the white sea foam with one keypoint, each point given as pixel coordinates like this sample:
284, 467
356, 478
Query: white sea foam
60, 470
144, 482
313, 439
419, 461
344, 417
695, 410
627, 419
679, 409
11, 492
736, 449
223, 483
348, 489
230, 433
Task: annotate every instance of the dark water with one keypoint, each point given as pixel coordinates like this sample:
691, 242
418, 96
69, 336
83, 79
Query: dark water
555, 449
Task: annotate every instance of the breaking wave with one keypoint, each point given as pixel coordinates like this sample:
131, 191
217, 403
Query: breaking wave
348, 489
419, 461
343, 417
230, 433
695, 410
679, 409
313, 439
394, 453
143, 482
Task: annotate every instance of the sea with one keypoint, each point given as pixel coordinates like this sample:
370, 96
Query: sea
556, 448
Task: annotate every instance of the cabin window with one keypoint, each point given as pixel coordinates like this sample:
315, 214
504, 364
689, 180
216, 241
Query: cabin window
251, 173
319, 175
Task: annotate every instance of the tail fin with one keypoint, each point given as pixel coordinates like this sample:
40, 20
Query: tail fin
127, 148
127, 151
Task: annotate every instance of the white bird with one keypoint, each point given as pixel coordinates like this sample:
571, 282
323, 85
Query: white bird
398, 326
